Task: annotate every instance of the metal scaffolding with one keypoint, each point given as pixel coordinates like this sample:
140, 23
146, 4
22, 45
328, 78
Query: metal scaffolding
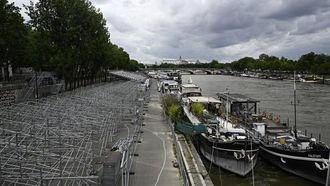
62, 140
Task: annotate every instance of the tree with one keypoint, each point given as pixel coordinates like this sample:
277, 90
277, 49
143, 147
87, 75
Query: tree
243, 63
75, 39
263, 57
12, 36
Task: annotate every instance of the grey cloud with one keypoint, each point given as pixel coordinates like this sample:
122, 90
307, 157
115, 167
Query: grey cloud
312, 24
223, 29
121, 25
288, 9
230, 16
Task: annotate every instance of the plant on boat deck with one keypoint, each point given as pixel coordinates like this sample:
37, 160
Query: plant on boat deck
174, 113
198, 108
222, 111
168, 101
172, 108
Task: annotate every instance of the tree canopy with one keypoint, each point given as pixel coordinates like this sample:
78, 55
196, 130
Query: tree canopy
310, 63
69, 37
72, 38
12, 35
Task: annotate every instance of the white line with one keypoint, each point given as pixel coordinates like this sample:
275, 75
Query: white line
128, 132
293, 157
231, 150
164, 147
161, 170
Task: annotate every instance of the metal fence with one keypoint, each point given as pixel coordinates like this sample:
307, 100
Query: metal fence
179, 155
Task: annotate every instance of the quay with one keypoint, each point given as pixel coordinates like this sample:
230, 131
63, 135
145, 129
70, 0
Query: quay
161, 147
153, 165
112, 133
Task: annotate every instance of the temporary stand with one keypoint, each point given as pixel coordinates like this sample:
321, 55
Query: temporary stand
62, 140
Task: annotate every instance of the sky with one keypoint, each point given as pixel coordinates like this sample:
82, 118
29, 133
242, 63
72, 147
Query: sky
225, 30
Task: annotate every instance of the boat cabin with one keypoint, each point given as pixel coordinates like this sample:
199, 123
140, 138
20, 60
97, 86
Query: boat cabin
239, 105
188, 90
176, 76
169, 87
209, 103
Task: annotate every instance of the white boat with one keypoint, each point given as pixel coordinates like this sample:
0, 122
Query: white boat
189, 89
168, 87
244, 75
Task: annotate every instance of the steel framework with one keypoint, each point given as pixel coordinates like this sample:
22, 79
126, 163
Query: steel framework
62, 140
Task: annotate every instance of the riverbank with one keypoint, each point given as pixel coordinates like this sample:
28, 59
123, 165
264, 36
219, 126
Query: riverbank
153, 165
165, 157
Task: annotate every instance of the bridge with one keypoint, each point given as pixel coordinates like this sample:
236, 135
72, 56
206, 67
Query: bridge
190, 71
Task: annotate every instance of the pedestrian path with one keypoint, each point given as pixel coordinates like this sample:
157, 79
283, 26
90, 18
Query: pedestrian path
153, 165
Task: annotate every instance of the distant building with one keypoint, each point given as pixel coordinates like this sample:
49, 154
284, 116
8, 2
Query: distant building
171, 61
180, 61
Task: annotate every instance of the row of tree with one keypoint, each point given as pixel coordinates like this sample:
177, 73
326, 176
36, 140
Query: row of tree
66, 36
307, 63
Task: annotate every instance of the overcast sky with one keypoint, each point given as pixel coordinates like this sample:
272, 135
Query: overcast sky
226, 30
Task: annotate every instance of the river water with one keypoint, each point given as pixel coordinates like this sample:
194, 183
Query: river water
313, 115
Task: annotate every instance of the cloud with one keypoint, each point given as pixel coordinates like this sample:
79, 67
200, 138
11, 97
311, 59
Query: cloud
226, 30
312, 24
289, 9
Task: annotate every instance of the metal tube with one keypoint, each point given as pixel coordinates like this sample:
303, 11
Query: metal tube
295, 104
328, 173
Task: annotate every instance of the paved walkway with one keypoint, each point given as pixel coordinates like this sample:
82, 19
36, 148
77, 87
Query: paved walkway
154, 165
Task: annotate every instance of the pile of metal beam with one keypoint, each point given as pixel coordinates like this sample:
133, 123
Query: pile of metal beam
64, 139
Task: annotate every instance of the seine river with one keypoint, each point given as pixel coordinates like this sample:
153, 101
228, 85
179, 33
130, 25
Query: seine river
313, 115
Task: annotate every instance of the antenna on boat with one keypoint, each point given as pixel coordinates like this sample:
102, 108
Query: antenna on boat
295, 104
190, 80
252, 161
328, 173
227, 105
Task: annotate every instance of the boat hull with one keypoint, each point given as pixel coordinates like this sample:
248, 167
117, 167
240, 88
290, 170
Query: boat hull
299, 163
222, 154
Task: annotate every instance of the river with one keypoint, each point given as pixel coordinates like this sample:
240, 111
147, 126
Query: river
313, 115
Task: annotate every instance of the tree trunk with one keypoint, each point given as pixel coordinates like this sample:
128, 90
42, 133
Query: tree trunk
6, 71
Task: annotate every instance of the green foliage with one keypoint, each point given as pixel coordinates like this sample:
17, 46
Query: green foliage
174, 113
198, 108
71, 37
12, 35
215, 64
168, 101
315, 63
311, 62
172, 108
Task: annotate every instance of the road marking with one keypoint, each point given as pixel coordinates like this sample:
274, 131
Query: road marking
164, 161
